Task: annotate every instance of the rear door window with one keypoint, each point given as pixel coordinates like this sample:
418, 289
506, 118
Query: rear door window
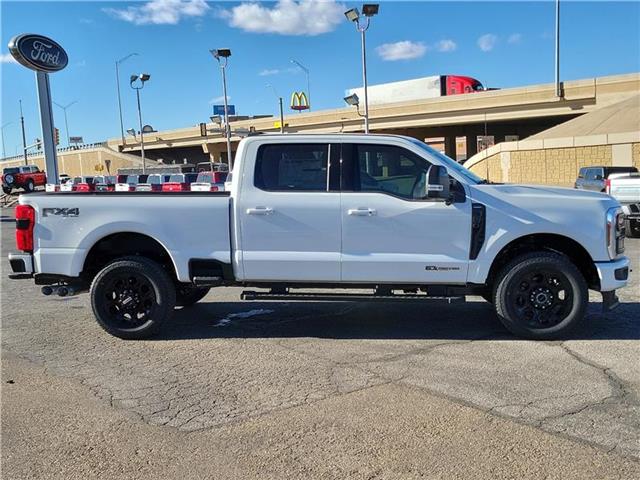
292, 167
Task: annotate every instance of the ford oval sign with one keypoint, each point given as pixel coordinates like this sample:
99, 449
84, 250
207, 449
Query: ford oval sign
38, 53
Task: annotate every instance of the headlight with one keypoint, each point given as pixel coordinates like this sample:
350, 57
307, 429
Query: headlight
8, 179
615, 232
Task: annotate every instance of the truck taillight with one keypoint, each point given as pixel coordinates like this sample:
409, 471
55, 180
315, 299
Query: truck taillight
214, 188
83, 187
607, 185
25, 221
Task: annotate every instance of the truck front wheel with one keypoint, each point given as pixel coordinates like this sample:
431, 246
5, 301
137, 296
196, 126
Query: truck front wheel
132, 298
541, 296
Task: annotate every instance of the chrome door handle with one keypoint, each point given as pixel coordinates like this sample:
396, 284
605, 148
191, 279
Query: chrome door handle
260, 211
362, 212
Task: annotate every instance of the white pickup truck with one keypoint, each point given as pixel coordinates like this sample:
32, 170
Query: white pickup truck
382, 213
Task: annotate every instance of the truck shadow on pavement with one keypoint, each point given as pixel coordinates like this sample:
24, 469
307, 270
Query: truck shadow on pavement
392, 321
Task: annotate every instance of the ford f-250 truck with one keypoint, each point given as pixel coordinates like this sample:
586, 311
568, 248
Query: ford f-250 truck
383, 213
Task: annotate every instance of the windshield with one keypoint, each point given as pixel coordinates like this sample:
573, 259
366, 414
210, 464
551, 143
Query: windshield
449, 163
176, 178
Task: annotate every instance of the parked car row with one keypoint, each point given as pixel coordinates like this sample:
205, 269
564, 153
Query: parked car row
155, 182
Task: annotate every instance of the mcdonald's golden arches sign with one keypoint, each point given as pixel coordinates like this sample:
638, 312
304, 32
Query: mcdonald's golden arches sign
299, 101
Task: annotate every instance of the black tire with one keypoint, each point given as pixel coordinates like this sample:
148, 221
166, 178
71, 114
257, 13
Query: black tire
138, 280
488, 297
632, 228
541, 296
6, 190
187, 295
29, 187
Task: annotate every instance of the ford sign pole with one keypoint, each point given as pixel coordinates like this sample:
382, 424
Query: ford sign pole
44, 56
46, 120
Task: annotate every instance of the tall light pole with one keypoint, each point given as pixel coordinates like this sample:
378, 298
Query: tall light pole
557, 69
280, 105
142, 78
306, 71
222, 56
118, 62
353, 15
2, 130
24, 136
66, 122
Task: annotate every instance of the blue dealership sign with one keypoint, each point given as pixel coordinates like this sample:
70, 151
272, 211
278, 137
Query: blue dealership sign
219, 109
38, 53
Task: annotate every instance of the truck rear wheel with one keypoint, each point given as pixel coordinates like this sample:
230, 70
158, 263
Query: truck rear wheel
132, 298
187, 295
30, 186
541, 295
6, 190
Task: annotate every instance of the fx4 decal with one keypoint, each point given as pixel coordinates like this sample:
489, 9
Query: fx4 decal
62, 212
440, 269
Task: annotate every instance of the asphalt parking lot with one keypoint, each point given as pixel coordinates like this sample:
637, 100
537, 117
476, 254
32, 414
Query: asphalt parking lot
316, 390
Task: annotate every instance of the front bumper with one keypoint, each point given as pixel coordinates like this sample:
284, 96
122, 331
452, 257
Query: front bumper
21, 265
613, 274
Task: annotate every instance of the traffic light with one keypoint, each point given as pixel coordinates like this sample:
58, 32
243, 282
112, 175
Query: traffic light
56, 136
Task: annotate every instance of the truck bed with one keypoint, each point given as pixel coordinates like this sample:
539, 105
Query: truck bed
625, 187
187, 224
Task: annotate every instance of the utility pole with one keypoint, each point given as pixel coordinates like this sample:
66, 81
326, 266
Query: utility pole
24, 137
557, 69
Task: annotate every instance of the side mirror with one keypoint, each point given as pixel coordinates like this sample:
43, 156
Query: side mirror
438, 183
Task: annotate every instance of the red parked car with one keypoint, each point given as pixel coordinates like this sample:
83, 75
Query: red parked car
179, 182
27, 177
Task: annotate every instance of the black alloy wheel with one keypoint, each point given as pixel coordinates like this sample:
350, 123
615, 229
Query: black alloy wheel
132, 297
541, 295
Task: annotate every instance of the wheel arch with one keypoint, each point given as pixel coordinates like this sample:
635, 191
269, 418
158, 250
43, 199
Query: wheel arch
550, 242
126, 243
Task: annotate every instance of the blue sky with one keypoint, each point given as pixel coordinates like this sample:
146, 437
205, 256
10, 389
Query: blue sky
502, 44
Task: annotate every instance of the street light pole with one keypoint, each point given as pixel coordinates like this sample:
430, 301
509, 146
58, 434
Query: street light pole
557, 65
2, 130
368, 10
306, 71
364, 76
280, 105
24, 137
143, 77
118, 62
222, 56
66, 123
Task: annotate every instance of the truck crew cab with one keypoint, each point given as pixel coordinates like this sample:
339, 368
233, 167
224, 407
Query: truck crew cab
378, 212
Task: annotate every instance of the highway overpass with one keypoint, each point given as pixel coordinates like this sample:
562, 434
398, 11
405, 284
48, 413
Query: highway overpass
511, 112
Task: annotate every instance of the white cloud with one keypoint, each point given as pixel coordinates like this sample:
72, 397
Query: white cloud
160, 12
7, 58
514, 38
269, 71
487, 42
405, 50
218, 100
445, 46
286, 17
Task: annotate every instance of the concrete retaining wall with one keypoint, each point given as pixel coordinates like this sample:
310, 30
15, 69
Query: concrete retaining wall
555, 161
91, 161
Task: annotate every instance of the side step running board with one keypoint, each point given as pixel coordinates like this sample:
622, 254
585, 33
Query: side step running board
345, 297
207, 281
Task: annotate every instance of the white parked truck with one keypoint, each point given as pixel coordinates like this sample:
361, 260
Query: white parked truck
383, 213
